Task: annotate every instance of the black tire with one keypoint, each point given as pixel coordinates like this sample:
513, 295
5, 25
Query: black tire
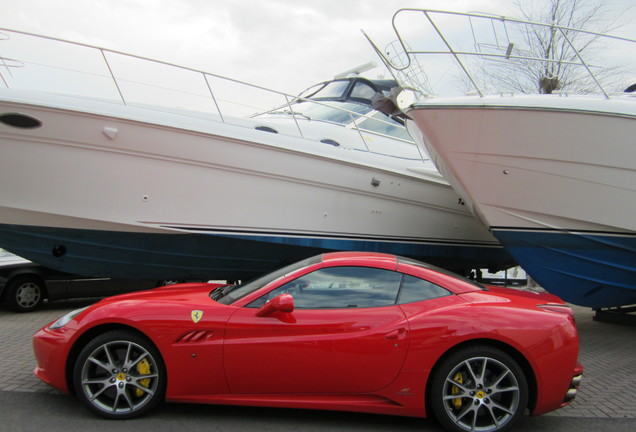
24, 293
120, 375
493, 397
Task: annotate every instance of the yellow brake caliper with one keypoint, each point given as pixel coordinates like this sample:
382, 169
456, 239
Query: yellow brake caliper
457, 402
143, 368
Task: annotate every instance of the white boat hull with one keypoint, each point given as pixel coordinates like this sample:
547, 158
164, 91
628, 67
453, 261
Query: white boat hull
106, 189
553, 178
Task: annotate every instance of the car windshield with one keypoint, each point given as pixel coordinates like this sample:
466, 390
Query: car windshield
232, 293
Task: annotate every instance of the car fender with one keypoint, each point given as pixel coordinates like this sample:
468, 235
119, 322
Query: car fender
185, 345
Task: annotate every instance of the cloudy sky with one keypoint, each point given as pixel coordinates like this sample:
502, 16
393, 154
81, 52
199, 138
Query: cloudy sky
284, 44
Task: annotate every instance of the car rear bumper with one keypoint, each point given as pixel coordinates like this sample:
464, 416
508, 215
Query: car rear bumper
574, 385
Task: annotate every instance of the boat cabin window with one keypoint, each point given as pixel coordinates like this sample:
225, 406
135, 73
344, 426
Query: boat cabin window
362, 91
385, 125
324, 111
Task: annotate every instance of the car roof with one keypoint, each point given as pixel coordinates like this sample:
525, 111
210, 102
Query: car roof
392, 262
373, 259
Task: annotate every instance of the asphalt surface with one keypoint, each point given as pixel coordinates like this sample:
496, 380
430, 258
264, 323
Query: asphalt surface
606, 400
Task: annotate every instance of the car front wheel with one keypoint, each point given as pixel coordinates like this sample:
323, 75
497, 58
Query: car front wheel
120, 375
24, 293
479, 388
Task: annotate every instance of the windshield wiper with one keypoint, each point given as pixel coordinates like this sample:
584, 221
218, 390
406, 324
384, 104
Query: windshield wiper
221, 292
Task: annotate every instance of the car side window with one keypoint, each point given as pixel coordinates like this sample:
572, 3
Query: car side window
339, 288
414, 289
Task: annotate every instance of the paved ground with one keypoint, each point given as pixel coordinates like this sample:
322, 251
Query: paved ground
608, 353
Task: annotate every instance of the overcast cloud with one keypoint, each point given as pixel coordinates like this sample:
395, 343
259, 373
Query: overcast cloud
284, 44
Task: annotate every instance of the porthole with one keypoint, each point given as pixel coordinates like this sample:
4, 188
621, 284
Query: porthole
266, 129
330, 142
21, 121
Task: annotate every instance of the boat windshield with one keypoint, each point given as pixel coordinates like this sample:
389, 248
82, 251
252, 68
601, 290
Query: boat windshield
382, 124
349, 114
373, 121
334, 112
330, 90
337, 90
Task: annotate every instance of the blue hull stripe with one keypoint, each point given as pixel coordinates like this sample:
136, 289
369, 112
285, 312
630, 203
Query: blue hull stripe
584, 268
213, 256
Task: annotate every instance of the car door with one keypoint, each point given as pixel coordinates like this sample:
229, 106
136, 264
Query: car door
345, 335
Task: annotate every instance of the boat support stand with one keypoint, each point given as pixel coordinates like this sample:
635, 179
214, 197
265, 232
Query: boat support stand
617, 315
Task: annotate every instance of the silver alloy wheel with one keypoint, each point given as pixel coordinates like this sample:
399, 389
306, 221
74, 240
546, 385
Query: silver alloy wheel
481, 394
28, 295
25, 293
119, 377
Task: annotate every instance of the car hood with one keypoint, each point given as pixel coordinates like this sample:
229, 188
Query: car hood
172, 293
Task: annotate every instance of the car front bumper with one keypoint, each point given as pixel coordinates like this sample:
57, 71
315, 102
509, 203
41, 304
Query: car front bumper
51, 351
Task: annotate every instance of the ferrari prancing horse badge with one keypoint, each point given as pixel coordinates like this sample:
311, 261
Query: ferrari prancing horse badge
196, 315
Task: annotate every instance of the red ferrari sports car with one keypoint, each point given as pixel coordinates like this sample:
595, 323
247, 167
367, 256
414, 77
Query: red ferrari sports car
341, 331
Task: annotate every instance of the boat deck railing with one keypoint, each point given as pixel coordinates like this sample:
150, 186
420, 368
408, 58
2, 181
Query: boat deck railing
497, 54
42, 63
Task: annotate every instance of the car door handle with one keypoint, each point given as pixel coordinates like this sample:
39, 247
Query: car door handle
396, 334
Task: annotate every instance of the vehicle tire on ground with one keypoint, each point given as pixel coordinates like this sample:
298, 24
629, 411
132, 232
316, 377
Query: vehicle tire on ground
24, 293
120, 375
479, 388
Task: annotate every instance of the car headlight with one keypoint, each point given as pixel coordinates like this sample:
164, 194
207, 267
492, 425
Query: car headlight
66, 318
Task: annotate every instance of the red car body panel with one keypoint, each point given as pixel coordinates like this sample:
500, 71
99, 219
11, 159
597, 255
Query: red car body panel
356, 347
375, 359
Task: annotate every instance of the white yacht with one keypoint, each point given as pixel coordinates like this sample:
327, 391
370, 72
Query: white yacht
553, 176
120, 166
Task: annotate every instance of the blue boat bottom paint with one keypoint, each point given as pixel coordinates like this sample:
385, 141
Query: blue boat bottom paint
588, 269
213, 256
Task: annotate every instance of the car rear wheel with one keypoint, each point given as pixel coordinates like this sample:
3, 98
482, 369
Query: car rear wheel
479, 389
24, 293
120, 375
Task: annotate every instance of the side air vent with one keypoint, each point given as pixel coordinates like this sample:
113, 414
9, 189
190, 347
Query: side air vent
266, 129
21, 121
196, 336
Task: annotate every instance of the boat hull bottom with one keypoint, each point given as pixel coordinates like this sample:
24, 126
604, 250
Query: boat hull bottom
136, 255
586, 269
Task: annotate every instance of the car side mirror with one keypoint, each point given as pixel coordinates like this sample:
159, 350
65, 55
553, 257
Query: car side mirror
283, 303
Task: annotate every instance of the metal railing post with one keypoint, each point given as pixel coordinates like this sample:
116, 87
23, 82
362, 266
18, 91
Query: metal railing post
112, 75
218, 108
454, 54
294, 117
583, 62
355, 125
